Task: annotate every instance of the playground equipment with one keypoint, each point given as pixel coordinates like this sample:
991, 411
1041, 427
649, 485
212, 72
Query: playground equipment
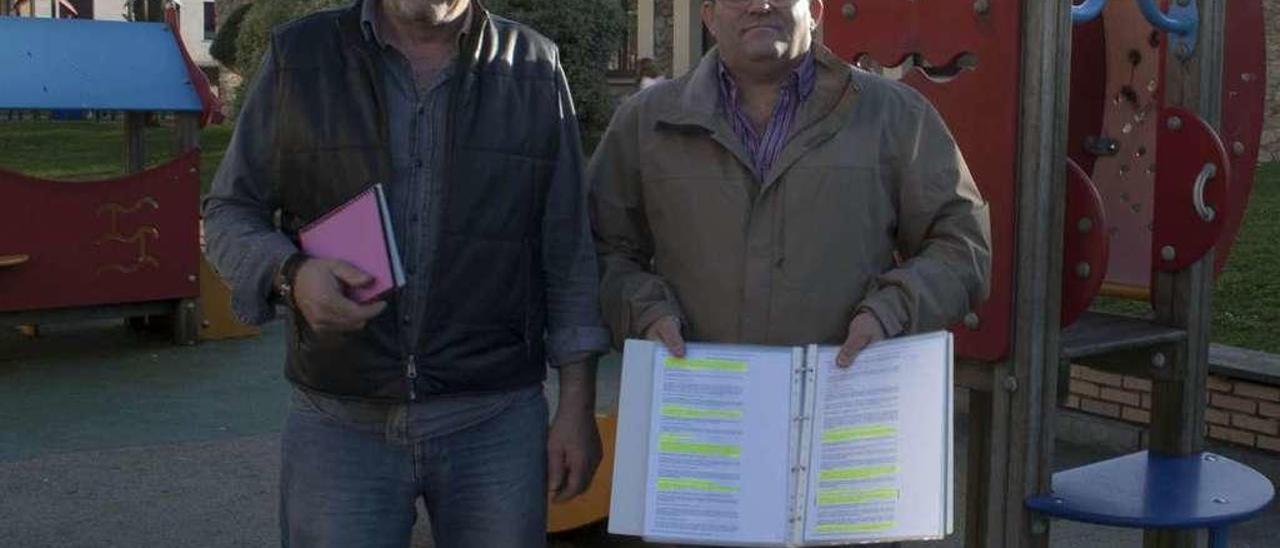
1139, 194
124, 247
1150, 190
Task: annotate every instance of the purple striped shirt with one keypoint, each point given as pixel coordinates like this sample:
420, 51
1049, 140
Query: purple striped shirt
764, 148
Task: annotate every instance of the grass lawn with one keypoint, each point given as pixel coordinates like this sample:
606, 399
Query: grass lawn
95, 150
1246, 300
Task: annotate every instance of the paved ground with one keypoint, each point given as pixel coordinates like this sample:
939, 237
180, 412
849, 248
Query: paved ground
113, 438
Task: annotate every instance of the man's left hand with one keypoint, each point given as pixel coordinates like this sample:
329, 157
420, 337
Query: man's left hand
573, 443
863, 330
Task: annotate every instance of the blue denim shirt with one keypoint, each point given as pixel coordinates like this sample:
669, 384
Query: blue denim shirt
248, 249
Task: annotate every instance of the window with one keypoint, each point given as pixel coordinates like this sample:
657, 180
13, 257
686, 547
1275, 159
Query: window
210, 21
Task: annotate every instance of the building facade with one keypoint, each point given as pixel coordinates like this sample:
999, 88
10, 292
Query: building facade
197, 19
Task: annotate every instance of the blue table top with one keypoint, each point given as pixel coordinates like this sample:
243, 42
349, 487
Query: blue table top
1153, 491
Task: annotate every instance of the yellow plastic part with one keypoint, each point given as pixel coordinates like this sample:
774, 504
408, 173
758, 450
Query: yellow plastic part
216, 320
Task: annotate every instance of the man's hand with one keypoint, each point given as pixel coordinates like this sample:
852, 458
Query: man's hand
573, 443
667, 331
863, 330
319, 293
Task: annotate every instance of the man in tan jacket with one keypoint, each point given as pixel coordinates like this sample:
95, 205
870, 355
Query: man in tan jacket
777, 195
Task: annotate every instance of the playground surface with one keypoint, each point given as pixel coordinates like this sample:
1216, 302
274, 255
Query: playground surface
118, 438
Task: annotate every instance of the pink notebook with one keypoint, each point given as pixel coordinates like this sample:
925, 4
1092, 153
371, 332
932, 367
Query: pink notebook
359, 232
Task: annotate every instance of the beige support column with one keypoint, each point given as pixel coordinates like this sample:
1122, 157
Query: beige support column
687, 36
645, 32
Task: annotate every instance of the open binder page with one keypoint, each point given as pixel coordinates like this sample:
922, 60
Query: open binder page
879, 465
720, 432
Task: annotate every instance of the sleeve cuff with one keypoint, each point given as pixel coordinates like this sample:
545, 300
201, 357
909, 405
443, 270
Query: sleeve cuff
251, 297
573, 344
889, 306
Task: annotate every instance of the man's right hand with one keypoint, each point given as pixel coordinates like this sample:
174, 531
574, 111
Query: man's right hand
667, 331
319, 293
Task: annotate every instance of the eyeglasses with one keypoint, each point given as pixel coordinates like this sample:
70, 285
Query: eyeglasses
741, 3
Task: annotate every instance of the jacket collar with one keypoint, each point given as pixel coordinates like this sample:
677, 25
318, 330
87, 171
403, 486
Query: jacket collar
698, 100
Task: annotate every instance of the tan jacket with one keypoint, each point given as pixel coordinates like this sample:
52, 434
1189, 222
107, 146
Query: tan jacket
684, 228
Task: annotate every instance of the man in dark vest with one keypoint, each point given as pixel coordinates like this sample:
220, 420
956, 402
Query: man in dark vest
435, 391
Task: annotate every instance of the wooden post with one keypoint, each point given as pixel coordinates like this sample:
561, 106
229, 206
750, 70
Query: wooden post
1023, 394
186, 137
1184, 299
135, 142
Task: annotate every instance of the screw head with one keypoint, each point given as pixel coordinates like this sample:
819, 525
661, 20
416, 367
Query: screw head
1083, 270
192, 278
1174, 123
1237, 148
1168, 253
1010, 384
1084, 225
972, 321
1158, 361
849, 11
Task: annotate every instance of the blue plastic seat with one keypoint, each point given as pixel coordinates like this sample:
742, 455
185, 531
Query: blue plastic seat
1152, 491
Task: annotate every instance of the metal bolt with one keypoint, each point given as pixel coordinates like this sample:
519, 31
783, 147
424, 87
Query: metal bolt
1010, 384
1237, 148
849, 11
1168, 253
1083, 270
206, 324
1158, 360
1084, 225
982, 6
1175, 123
972, 321
192, 278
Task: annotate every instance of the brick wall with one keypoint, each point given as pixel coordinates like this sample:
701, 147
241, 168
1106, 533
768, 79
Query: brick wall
1239, 412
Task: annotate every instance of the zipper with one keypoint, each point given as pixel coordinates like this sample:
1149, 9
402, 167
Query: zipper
411, 371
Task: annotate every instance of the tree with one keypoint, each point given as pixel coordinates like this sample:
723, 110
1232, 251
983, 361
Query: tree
588, 32
224, 48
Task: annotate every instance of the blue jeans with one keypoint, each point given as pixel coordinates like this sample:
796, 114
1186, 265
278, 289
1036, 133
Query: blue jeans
351, 473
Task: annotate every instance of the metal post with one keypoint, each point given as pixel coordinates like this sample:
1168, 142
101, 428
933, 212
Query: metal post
1183, 299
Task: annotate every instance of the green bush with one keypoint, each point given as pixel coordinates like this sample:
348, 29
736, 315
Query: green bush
223, 49
255, 32
587, 31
